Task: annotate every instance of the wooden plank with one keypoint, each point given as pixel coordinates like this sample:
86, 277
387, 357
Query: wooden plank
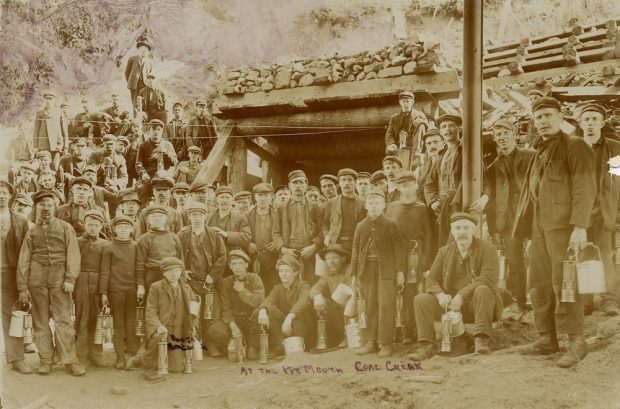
261, 152
524, 103
585, 93
238, 169
211, 166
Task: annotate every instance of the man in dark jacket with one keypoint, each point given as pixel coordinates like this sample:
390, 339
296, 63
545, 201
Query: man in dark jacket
405, 130
229, 224
138, 67
153, 100
554, 210
200, 130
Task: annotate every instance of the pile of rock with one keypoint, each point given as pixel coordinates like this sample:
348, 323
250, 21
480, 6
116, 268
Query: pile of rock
401, 59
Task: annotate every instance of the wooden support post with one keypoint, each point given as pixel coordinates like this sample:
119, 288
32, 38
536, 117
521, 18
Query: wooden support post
210, 168
265, 170
238, 165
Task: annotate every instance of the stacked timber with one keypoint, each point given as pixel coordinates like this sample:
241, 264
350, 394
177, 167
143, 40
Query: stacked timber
403, 58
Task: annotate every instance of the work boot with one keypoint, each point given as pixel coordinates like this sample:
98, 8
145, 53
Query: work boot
252, 354
369, 348
120, 362
386, 351
577, 350
482, 344
78, 369
131, 361
21, 367
343, 344
423, 351
546, 344
276, 352
45, 369
152, 375
408, 336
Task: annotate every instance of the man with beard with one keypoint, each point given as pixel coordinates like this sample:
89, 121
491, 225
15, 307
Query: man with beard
281, 195
49, 264
362, 185
392, 166
463, 278
342, 213
13, 229
205, 254
162, 190
507, 176
76, 208
117, 114
297, 229
329, 186
47, 134
112, 173
554, 209
606, 209
153, 100
262, 248
200, 130
404, 131
231, 225
187, 171
73, 165
175, 132
443, 187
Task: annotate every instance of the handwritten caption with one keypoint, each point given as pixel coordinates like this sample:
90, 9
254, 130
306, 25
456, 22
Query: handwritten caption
184, 344
389, 366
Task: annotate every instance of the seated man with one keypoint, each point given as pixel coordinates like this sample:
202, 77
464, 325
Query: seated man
463, 278
241, 293
167, 315
286, 310
336, 259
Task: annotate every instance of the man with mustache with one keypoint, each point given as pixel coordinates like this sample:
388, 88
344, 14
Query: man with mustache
162, 191
329, 185
200, 130
73, 165
112, 173
404, 130
49, 264
392, 166
606, 209
463, 278
47, 134
75, 209
554, 210
230, 225
506, 178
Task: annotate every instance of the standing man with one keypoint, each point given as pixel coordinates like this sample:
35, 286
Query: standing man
66, 127
434, 146
162, 191
112, 173
261, 220
200, 129
203, 193
392, 166
554, 210
297, 230
606, 209
137, 69
73, 165
76, 208
404, 132
13, 229
153, 100
47, 134
329, 186
231, 225
118, 116
175, 131
49, 264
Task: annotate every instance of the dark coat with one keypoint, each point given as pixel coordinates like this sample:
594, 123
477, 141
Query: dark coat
159, 309
282, 228
47, 134
13, 243
201, 132
396, 124
239, 235
214, 250
332, 216
134, 70
609, 186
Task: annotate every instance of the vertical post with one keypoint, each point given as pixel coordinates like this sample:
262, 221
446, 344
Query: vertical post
238, 165
472, 102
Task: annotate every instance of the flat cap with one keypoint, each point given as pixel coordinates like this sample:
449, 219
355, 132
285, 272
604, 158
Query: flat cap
81, 180
143, 43
121, 219
197, 186
201, 102
463, 216
450, 117
156, 122
262, 188
406, 176
592, 107
239, 254
313, 189
375, 192
242, 195
95, 214
393, 159
130, 197
180, 187
296, 174
194, 148
8, 186
24, 199
504, 123
377, 176
280, 187
109, 137
42, 194
41, 154
546, 102
196, 207
90, 168
334, 248
162, 182
169, 263
155, 208
329, 177
79, 141
222, 190
535, 92
364, 175
429, 133
405, 94
347, 172
290, 261
27, 166
123, 139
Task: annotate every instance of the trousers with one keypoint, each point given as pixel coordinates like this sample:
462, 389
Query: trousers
123, 305
87, 307
380, 305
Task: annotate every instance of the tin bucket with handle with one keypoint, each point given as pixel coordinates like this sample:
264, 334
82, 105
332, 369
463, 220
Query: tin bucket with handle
342, 293
293, 345
590, 272
16, 327
354, 339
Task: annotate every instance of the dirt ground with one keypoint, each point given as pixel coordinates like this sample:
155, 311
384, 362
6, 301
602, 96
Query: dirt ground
341, 379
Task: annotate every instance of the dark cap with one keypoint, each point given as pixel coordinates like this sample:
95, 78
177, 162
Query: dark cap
81, 180
122, 219
95, 214
405, 94
180, 187
223, 189
49, 95
150, 75
243, 195
593, 108
365, 175
313, 189
170, 263
42, 153
262, 188
546, 102
464, 216
197, 186
430, 132
201, 102
239, 254
8, 186
144, 43
449, 117
194, 148
296, 174
90, 168
79, 141
162, 182
27, 166
347, 172
406, 176
130, 197
375, 192
535, 92
156, 122
109, 137
329, 177
42, 194
280, 187
504, 123
155, 208
290, 261
394, 159
24, 199
334, 248
377, 176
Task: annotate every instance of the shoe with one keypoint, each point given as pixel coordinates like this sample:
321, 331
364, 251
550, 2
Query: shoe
131, 361
97, 360
546, 344
385, 351
343, 344
252, 354
120, 362
577, 350
152, 375
369, 348
21, 367
482, 344
214, 351
78, 369
276, 353
423, 352
45, 369
610, 310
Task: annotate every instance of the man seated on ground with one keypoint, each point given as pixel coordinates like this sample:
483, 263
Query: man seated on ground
463, 278
336, 260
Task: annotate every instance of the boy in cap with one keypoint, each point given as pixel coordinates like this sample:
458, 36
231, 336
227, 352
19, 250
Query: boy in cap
49, 264
378, 181
112, 173
286, 311
117, 286
281, 194
336, 259
205, 253
243, 202
168, 317
75, 209
200, 129
241, 293
47, 181
154, 246
313, 193
392, 166
162, 191
412, 218
187, 170
22, 205
26, 183
129, 205
86, 293
297, 230
405, 130
262, 248
377, 265
230, 224
13, 230
362, 185
329, 185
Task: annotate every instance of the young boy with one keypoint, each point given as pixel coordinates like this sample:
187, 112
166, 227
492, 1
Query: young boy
377, 264
286, 311
168, 315
87, 304
117, 285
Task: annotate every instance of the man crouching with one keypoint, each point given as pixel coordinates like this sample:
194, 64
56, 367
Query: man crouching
463, 278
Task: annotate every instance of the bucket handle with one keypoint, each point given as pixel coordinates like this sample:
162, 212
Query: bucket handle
18, 302
589, 245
